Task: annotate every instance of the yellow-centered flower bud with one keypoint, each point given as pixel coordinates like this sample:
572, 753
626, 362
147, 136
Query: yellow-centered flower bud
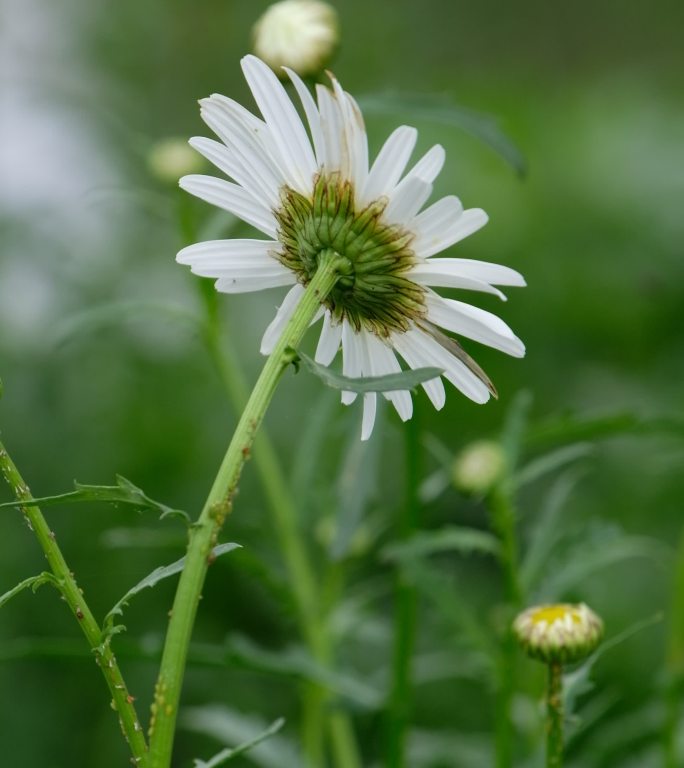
560, 633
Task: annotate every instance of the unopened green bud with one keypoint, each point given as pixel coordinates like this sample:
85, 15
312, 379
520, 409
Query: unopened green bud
169, 159
479, 466
560, 633
300, 34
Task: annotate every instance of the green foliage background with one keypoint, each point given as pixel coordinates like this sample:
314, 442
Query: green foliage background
591, 94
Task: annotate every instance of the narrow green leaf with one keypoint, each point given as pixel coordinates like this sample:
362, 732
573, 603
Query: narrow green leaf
229, 753
447, 539
389, 383
157, 575
114, 313
571, 428
356, 487
515, 427
32, 582
230, 726
550, 462
440, 109
124, 492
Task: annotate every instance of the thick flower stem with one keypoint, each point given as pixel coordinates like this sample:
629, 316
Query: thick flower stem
301, 578
554, 716
204, 533
122, 701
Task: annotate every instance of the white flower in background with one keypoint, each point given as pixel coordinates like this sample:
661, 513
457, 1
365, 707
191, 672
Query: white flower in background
170, 158
312, 195
301, 34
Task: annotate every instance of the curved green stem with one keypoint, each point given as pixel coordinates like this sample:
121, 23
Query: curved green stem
204, 532
554, 717
122, 701
301, 578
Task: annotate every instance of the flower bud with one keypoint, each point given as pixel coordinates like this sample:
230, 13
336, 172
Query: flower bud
300, 34
560, 633
478, 467
169, 159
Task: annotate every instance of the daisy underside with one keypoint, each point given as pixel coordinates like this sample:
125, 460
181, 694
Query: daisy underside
312, 193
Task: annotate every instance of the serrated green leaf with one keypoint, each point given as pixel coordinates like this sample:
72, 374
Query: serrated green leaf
33, 582
229, 753
590, 556
295, 661
390, 383
577, 682
124, 492
447, 539
548, 529
153, 578
440, 109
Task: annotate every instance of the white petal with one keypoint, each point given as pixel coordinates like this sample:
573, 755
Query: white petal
261, 187
283, 315
454, 370
370, 404
434, 273
351, 358
232, 198
406, 200
283, 122
495, 274
389, 164
312, 115
412, 352
382, 362
443, 224
473, 322
227, 252
329, 341
429, 165
257, 282
331, 126
250, 143
354, 142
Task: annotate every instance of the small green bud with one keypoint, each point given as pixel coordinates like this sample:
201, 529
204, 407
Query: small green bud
300, 34
560, 633
169, 159
478, 467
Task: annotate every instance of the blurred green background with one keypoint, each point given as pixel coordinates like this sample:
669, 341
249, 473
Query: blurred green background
591, 94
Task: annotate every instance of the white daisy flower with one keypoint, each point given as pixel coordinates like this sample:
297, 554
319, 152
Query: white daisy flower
310, 194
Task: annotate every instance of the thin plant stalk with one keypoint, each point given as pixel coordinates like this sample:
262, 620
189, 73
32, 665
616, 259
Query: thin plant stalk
503, 522
554, 716
122, 701
301, 577
204, 533
405, 599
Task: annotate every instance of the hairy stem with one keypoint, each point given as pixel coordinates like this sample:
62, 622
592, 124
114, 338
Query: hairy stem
554, 716
122, 701
503, 522
205, 531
